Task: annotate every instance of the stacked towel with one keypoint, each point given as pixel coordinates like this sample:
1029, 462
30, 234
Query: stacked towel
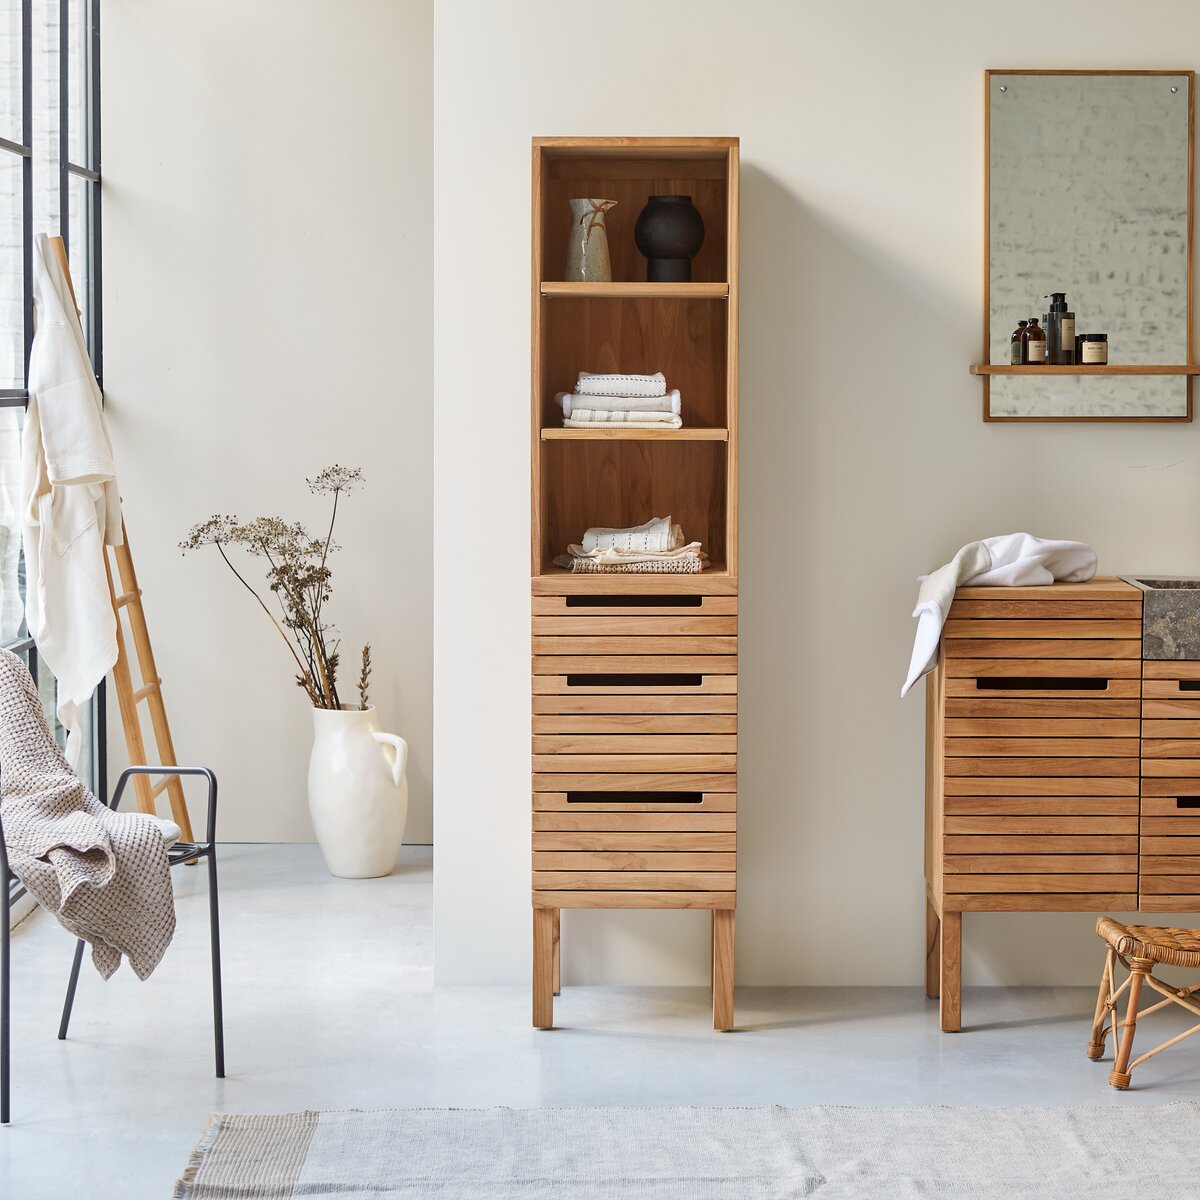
621, 402
658, 546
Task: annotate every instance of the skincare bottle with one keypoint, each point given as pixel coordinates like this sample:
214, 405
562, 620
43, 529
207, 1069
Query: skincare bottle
1035, 343
1017, 344
1093, 348
1060, 332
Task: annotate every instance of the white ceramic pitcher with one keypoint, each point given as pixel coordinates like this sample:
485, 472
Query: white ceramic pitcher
357, 793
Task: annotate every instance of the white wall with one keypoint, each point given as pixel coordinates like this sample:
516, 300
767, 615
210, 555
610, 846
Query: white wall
864, 459
267, 277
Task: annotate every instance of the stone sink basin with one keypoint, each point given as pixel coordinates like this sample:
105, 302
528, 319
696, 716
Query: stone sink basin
1170, 615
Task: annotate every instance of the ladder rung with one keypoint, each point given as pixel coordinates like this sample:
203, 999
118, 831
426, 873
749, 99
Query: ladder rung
126, 598
161, 786
148, 690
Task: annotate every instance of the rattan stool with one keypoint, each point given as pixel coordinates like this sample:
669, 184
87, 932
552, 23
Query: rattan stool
1139, 948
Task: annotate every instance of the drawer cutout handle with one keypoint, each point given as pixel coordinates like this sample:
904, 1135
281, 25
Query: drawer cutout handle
635, 797
1040, 683
1187, 801
1189, 685
648, 680
608, 600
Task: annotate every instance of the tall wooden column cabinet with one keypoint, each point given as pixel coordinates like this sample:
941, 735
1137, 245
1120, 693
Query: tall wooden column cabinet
635, 676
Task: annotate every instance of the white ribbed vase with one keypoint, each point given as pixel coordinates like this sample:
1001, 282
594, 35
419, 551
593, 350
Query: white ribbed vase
357, 793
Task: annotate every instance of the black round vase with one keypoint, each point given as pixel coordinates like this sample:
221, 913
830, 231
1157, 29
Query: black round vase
669, 232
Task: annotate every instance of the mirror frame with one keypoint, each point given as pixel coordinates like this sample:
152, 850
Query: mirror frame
984, 368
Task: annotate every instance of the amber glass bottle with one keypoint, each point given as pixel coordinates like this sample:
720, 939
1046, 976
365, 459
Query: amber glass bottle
1035, 343
1017, 344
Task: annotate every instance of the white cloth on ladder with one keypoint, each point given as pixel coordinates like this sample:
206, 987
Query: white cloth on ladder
71, 507
1010, 560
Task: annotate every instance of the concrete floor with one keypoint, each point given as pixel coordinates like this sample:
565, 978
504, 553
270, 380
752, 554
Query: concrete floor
329, 1005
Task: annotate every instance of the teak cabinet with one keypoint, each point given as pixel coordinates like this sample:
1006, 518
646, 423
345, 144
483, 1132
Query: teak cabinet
635, 679
1062, 770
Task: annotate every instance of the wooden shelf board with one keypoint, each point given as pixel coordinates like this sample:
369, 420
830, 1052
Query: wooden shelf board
1087, 369
601, 434
634, 290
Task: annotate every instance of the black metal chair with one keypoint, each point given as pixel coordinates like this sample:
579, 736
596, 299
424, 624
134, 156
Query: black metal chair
180, 852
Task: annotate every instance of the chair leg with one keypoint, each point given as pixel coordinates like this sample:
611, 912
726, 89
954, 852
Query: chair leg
1119, 1076
1095, 1050
214, 930
69, 1000
5, 1000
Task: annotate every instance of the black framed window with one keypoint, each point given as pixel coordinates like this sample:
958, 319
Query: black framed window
49, 183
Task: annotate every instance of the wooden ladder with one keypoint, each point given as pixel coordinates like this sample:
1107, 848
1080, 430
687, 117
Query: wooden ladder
150, 689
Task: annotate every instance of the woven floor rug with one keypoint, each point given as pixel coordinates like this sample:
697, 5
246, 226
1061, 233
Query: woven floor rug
700, 1154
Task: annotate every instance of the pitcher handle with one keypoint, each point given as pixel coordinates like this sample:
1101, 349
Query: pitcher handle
400, 746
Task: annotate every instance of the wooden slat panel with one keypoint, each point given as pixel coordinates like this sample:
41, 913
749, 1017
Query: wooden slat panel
1035, 786
1172, 732
640, 881
1042, 648
1059, 806
1123, 683
1166, 806
1040, 668
551, 606
629, 860
1011, 864
1159, 844
611, 647
1171, 864
1159, 885
1102, 587
640, 626
1170, 710
1044, 610
1169, 747
672, 840
1042, 629
1179, 767
634, 763
637, 899
559, 802
623, 703
635, 743
1171, 904
1040, 844
573, 822
1167, 786
564, 583
1025, 902
1025, 708
1015, 825
1005, 884
1046, 766
1027, 747
636, 664
1173, 669
1164, 827
635, 723
1042, 727
610, 781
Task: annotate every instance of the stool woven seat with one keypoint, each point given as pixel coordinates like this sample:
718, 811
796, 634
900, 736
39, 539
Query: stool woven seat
1139, 948
1158, 943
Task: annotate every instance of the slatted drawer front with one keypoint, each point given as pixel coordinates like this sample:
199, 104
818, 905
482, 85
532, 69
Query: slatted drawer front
1042, 748
634, 849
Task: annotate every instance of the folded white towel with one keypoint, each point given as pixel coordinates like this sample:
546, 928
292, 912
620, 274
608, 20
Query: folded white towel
668, 403
655, 536
585, 418
621, 385
1011, 560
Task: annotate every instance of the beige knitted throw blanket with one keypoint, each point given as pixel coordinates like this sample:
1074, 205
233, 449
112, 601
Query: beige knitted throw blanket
103, 874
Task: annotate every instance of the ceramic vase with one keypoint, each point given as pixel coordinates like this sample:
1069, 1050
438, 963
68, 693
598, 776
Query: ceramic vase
587, 249
357, 793
669, 232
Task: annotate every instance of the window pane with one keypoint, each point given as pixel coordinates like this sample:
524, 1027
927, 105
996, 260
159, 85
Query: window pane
12, 271
45, 117
12, 606
79, 80
10, 70
78, 240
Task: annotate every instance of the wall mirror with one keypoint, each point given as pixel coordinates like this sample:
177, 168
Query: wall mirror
1088, 192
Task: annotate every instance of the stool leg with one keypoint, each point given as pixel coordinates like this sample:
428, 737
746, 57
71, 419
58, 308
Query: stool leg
543, 968
951, 972
933, 951
1119, 1075
1095, 1048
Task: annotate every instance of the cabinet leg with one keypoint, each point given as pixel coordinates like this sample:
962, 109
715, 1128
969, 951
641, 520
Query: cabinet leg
557, 951
722, 968
950, 960
543, 967
933, 951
